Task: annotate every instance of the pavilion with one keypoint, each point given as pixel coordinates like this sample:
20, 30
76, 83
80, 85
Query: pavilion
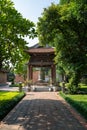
41, 57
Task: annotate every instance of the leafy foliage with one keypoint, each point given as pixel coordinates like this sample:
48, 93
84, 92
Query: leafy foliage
64, 1
13, 29
10, 77
64, 27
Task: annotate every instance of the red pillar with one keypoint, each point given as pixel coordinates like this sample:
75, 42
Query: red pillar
30, 72
53, 73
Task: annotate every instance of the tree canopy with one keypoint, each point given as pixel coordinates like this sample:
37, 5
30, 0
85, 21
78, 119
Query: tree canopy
64, 27
13, 30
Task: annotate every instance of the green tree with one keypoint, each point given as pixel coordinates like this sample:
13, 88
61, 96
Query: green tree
77, 1
64, 1
13, 30
64, 27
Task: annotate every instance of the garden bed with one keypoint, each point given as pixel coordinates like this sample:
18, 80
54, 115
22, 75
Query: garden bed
8, 100
79, 102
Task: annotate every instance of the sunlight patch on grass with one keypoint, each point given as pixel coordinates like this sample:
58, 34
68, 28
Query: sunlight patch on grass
8, 100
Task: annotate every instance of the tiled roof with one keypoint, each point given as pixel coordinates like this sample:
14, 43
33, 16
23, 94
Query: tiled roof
41, 50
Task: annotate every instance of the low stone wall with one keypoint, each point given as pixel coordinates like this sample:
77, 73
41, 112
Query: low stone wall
3, 77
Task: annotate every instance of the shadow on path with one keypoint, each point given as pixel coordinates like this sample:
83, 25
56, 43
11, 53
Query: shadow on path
41, 111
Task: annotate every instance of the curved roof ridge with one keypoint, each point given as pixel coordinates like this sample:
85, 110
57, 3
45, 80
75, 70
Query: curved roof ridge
40, 46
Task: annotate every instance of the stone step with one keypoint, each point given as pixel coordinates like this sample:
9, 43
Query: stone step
41, 88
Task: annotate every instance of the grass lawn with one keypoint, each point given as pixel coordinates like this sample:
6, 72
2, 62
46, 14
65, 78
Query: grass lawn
83, 88
79, 102
8, 100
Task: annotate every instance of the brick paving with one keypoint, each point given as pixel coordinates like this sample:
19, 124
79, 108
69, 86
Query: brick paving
43, 111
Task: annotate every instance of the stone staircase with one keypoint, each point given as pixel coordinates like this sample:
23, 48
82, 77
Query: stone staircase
40, 88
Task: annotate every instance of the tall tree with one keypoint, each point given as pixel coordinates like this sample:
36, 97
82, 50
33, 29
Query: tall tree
13, 29
68, 1
64, 1
63, 26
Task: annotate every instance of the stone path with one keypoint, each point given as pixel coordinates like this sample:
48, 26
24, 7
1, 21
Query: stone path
43, 111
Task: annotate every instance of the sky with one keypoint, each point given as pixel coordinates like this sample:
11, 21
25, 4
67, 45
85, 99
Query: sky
32, 9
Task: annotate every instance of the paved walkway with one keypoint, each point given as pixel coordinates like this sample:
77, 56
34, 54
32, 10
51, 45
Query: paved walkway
7, 88
43, 111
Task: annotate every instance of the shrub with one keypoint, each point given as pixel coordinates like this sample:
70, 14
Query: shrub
9, 101
72, 89
79, 102
73, 85
14, 85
